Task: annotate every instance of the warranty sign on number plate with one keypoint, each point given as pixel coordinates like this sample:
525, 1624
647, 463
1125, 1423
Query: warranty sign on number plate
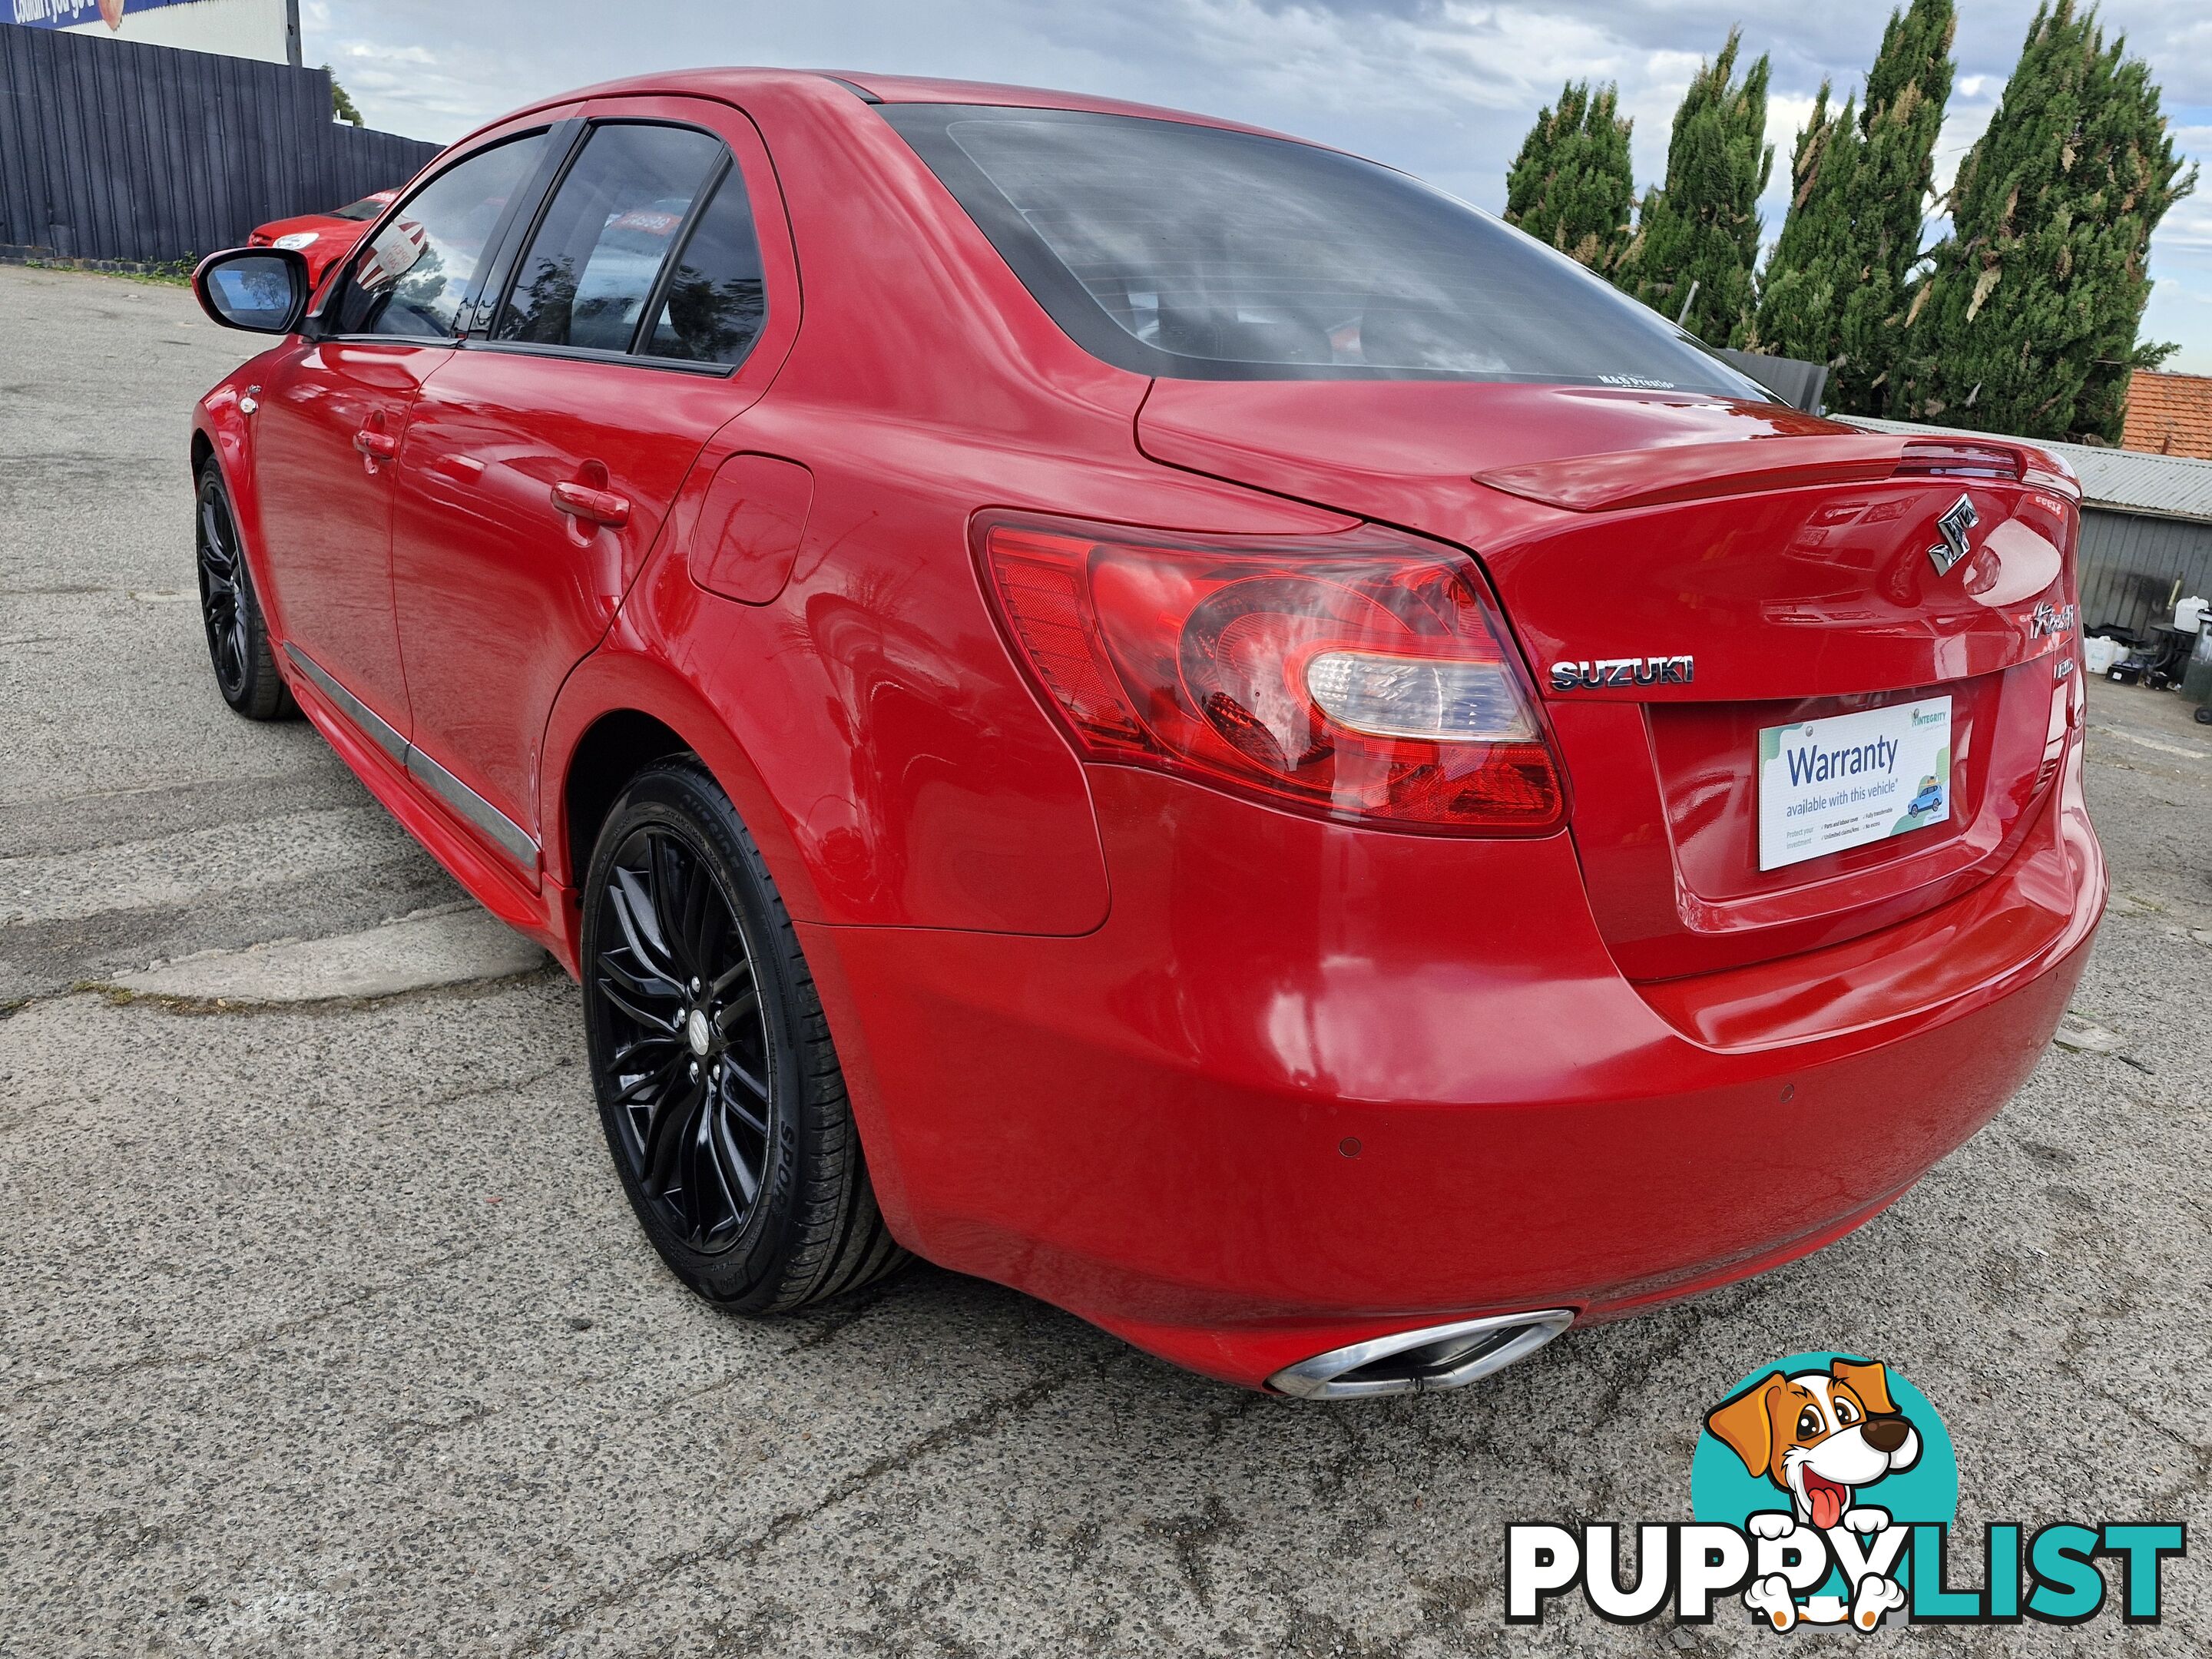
1826, 786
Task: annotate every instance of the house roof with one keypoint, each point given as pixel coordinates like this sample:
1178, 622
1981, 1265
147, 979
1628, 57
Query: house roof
2169, 414
2123, 480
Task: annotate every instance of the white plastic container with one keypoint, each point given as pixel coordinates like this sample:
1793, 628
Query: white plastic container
2098, 655
2189, 614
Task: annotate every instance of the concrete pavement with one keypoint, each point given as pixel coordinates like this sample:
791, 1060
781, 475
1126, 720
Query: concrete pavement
324, 1329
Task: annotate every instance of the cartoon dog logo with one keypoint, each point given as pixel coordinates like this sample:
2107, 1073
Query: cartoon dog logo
1823, 1437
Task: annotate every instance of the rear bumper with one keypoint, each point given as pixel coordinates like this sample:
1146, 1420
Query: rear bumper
1309, 1085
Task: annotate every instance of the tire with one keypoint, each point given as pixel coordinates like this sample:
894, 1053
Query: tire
230, 611
713, 1063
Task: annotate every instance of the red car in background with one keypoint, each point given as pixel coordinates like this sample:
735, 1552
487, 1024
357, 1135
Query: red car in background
322, 239
1159, 714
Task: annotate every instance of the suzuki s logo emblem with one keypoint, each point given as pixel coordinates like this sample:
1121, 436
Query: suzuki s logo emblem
1954, 524
1622, 670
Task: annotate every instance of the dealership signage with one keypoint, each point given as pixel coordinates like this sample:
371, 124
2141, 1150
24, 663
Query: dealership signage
265, 29
68, 14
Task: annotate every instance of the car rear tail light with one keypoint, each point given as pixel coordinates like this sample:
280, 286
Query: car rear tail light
1361, 676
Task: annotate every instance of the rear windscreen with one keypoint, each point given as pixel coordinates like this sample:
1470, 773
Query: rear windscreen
1194, 252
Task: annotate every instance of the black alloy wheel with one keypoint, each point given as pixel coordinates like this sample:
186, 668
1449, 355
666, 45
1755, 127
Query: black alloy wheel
689, 1068
237, 636
718, 1085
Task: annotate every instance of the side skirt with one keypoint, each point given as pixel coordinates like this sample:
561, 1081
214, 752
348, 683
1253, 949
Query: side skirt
503, 831
508, 891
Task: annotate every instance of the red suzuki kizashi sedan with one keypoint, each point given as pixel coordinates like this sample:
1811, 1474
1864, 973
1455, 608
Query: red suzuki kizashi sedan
1159, 714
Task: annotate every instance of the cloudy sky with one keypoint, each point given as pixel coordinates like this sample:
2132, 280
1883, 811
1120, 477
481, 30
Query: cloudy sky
1444, 88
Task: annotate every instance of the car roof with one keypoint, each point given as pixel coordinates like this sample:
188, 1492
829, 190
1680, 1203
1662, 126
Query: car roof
917, 89
734, 83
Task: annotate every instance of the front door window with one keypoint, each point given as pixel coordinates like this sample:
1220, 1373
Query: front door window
410, 281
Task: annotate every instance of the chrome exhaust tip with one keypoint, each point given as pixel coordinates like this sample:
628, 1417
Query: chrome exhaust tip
1424, 1361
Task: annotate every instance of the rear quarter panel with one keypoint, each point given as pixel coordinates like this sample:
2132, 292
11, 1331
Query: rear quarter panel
913, 777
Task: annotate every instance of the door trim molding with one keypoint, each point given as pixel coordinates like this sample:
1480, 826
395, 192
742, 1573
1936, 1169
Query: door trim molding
510, 837
517, 842
372, 724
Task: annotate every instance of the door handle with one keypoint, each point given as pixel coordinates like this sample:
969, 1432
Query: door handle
598, 505
377, 446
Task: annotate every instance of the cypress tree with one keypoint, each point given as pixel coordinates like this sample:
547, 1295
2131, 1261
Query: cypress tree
1573, 185
1906, 92
2027, 323
1704, 227
1817, 260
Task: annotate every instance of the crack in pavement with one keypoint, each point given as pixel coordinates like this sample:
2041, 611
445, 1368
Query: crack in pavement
119, 996
409, 1432
959, 1432
849, 1312
1187, 1535
476, 1091
252, 1345
846, 1312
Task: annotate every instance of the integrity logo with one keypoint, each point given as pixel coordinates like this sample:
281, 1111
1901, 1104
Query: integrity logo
1825, 1488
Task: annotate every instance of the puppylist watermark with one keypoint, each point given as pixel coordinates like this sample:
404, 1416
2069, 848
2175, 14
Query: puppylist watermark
1824, 1489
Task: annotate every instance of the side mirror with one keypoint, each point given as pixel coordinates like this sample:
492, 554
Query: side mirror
263, 290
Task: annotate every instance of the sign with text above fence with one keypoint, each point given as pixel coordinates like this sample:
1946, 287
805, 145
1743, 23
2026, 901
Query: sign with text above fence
266, 29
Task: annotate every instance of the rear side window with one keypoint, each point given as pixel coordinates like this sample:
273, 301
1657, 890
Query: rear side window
411, 280
1190, 251
596, 259
716, 302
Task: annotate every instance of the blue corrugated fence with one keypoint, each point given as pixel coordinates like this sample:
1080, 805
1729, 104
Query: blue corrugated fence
109, 149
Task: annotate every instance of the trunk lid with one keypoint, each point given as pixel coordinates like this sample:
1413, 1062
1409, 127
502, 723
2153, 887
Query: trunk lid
1786, 558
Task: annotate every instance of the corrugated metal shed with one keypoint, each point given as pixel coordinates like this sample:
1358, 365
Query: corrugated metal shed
2166, 486
2133, 566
